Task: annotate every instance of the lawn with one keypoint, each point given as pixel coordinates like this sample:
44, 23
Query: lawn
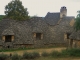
51, 58
40, 50
48, 50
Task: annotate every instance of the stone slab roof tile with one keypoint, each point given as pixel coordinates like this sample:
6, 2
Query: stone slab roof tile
75, 35
8, 32
52, 18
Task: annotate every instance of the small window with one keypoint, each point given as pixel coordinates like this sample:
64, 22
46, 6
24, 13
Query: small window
8, 38
38, 36
66, 35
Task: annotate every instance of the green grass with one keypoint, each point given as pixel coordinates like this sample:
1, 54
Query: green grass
1, 17
66, 53
18, 49
71, 52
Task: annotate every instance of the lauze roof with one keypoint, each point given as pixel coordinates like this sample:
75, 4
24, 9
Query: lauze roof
52, 18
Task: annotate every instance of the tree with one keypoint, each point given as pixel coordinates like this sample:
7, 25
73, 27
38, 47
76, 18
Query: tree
77, 22
15, 10
2, 16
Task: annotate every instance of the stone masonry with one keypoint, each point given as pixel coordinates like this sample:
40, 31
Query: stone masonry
36, 32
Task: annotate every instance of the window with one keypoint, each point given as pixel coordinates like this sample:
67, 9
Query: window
8, 38
68, 34
38, 36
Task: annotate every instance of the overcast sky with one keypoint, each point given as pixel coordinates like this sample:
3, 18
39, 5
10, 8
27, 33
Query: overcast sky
41, 7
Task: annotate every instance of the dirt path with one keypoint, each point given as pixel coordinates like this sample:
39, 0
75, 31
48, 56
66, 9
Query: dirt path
34, 50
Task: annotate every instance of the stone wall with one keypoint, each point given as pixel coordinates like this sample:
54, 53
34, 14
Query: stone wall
52, 35
73, 43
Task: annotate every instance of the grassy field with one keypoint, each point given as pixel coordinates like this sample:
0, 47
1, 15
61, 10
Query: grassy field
51, 58
40, 50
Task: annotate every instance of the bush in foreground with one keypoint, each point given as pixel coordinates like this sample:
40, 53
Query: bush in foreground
55, 54
45, 54
71, 52
28, 55
3, 56
16, 57
66, 53
35, 54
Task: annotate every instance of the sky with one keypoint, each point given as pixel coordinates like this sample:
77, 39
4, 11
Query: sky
42, 7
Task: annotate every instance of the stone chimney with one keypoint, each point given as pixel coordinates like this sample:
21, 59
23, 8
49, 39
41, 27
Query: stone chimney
63, 12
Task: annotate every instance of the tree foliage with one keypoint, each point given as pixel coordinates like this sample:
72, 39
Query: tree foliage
77, 22
15, 10
1, 17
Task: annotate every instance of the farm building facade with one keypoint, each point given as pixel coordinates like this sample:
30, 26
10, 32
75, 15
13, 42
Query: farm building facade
52, 30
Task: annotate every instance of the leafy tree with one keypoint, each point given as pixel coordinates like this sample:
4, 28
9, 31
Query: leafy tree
1, 17
15, 10
77, 22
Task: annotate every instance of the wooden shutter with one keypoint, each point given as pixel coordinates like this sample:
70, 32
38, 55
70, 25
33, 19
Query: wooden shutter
12, 38
41, 36
3, 38
34, 35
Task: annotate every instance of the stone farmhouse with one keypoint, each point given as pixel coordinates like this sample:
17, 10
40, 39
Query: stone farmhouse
74, 40
52, 30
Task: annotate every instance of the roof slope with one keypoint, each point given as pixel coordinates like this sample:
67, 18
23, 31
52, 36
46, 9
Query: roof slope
22, 30
52, 18
75, 35
38, 25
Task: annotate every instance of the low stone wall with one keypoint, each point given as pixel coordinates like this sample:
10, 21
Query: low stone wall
23, 46
55, 45
36, 46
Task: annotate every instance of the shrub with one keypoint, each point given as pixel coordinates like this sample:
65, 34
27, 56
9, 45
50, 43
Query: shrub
75, 52
45, 54
55, 54
35, 54
3, 56
28, 55
16, 57
71, 52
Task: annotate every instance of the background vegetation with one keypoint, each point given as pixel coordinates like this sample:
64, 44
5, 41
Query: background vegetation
16, 11
2, 16
77, 21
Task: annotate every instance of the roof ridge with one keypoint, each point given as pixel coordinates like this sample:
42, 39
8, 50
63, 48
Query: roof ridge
53, 12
